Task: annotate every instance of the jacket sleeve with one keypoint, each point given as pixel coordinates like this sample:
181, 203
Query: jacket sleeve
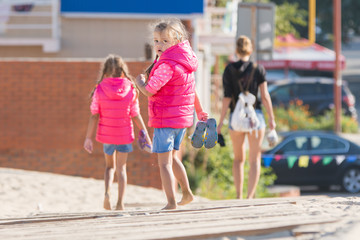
94, 106
162, 74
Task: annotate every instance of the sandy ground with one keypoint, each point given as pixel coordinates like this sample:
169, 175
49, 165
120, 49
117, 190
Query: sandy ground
25, 193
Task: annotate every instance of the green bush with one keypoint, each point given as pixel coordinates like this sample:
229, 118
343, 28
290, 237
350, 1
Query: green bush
210, 172
298, 117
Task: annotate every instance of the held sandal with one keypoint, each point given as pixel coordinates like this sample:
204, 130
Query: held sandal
143, 145
211, 136
197, 139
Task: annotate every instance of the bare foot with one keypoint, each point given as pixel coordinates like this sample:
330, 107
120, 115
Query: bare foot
169, 206
186, 198
107, 204
120, 206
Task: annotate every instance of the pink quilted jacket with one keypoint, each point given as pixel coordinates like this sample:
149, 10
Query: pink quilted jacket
173, 105
115, 101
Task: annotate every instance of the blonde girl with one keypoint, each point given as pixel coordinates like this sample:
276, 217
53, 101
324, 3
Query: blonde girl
114, 105
233, 73
170, 86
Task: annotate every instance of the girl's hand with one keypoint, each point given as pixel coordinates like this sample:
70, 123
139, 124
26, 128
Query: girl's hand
202, 116
140, 80
272, 124
88, 145
148, 140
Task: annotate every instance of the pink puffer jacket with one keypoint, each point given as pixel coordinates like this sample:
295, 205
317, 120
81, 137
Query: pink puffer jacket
116, 102
173, 105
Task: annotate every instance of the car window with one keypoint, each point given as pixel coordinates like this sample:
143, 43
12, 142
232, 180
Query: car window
307, 89
328, 90
296, 144
282, 92
326, 144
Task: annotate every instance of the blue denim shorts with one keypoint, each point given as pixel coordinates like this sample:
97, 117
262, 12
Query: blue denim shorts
167, 139
259, 115
110, 148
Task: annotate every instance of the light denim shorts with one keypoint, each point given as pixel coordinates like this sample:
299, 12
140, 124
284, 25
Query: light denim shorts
124, 148
259, 115
167, 139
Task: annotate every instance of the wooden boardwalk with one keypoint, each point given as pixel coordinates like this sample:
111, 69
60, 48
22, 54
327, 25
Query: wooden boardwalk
201, 220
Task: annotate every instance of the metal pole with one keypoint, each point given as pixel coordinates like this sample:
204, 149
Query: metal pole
337, 72
254, 31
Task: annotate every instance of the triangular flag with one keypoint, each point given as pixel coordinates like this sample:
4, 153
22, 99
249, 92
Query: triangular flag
340, 159
315, 159
278, 157
351, 158
291, 161
327, 160
267, 160
304, 161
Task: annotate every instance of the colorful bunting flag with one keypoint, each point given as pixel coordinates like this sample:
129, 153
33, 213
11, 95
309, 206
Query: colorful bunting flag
278, 157
351, 158
327, 160
267, 160
315, 159
304, 161
291, 161
340, 159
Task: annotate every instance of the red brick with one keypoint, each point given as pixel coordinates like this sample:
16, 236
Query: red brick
45, 111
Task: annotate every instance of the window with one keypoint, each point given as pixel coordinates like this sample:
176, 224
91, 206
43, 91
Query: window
281, 93
307, 89
296, 144
326, 144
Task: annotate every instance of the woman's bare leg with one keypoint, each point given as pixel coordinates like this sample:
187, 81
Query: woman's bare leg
181, 177
109, 178
238, 141
121, 178
254, 160
167, 178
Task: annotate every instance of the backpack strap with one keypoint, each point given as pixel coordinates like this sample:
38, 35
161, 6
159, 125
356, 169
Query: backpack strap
235, 73
250, 79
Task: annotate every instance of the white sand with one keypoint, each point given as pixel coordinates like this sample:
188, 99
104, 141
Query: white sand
24, 193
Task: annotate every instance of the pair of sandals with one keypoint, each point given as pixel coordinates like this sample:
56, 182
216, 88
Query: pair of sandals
205, 134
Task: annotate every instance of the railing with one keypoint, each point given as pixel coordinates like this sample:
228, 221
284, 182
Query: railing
36, 25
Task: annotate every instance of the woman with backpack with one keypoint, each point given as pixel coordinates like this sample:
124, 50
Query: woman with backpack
244, 78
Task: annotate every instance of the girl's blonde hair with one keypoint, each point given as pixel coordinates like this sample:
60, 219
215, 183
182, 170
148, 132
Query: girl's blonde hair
176, 30
244, 46
113, 66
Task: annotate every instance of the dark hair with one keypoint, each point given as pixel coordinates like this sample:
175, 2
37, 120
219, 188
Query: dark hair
113, 66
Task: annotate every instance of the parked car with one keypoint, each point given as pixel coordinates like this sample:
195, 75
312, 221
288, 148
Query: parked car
315, 158
274, 75
316, 92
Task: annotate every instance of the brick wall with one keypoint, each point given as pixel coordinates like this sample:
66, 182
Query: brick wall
44, 112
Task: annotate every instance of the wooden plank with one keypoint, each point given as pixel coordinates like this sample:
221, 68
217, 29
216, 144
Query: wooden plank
196, 221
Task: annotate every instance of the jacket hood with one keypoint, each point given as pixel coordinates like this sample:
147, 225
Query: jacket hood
183, 54
116, 88
242, 66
